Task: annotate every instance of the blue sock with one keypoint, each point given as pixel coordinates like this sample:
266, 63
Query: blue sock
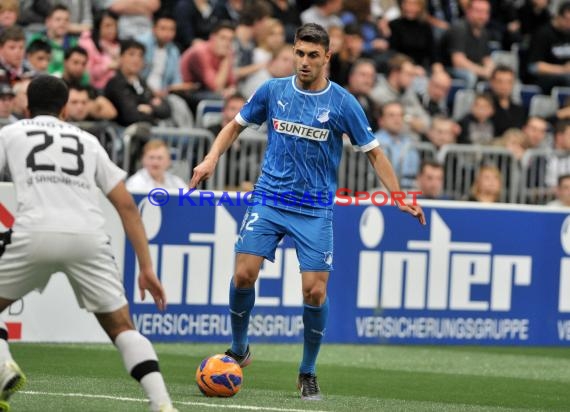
241, 303
314, 320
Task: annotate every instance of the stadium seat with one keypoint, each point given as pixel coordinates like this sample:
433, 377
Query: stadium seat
506, 58
462, 103
543, 105
527, 92
456, 85
561, 94
207, 106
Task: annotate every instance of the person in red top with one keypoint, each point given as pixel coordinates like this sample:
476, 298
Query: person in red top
210, 64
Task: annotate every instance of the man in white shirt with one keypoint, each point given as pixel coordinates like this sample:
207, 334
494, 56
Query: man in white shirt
57, 171
156, 162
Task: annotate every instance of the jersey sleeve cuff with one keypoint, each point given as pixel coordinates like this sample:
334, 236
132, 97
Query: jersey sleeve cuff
118, 178
241, 120
367, 147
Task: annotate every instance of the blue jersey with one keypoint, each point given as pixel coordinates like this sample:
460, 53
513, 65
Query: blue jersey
304, 142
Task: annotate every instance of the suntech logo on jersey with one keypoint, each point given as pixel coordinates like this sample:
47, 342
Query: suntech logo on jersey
300, 130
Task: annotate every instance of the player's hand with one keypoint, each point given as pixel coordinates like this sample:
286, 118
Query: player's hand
149, 281
413, 209
202, 172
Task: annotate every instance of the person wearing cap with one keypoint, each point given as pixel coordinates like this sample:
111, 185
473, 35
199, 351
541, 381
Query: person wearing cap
6, 104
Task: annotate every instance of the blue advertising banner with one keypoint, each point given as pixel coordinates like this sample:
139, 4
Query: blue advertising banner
473, 275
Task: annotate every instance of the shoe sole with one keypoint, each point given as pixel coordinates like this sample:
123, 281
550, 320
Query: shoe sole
13, 385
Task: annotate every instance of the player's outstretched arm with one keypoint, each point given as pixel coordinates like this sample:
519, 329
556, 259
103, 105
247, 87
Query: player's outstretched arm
125, 205
222, 143
388, 177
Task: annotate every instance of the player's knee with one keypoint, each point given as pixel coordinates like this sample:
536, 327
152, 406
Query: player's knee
315, 295
244, 278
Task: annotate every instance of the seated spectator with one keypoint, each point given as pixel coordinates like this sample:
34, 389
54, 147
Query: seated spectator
195, 20
549, 60
9, 10
507, 113
38, 56
74, 73
12, 64
515, 141
251, 23
465, 47
477, 126
442, 13
162, 69
359, 13
20, 106
429, 181
232, 106
336, 39
154, 172
129, 93
103, 48
80, 16
352, 49
77, 107
536, 130
559, 162
288, 14
281, 65
434, 97
397, 144
398, 86
6, 104
228, 10
162, 58
269, 40
487, 186
98, 106
361, 80
210, 64
74, 66
412, 35
58, 36
442, 131
324, 13
533, 15
135, 17
562, 192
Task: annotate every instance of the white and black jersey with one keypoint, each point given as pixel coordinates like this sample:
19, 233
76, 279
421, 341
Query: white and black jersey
57, 170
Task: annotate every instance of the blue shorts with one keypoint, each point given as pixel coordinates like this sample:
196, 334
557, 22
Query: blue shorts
264, 226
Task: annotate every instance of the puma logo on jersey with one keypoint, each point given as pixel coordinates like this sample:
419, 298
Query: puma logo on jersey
281, 104
300, 130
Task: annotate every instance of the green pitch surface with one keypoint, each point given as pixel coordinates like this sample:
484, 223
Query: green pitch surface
352, 378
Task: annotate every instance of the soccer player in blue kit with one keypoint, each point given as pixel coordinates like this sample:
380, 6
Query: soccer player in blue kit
306, 115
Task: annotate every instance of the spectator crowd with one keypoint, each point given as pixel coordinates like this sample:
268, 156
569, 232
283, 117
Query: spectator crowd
430, 75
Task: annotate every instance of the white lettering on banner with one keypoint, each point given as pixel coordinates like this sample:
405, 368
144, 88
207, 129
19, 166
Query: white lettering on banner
442, 328
441, 271
199, 273
564, 288
564, 330
185, 324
